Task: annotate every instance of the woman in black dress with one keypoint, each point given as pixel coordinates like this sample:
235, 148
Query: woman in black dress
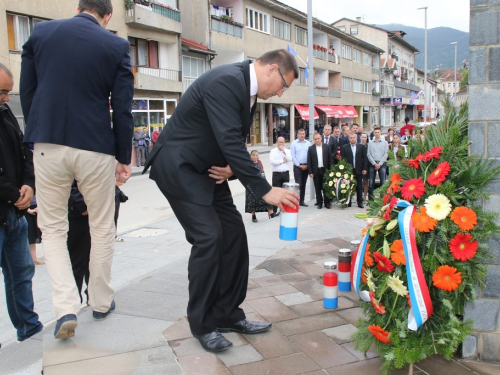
253, 205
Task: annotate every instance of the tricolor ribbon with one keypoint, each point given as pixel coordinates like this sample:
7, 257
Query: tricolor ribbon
341, 181
421, 304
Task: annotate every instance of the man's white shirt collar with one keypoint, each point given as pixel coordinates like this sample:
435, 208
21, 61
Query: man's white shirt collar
254, 85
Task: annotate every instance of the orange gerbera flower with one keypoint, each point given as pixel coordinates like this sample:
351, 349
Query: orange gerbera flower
377, 305
395, 183
434, 153
447, 278
368, 259
423, 222
462, 247
464, 217
363, 276
413, 188
409, 300
398, 253
380, 334
437, 177
383, 263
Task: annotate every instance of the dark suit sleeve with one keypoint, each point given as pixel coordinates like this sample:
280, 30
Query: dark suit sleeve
223, 105
342, 152
309, 161
121, 103
365, 158
28, 81
28, 169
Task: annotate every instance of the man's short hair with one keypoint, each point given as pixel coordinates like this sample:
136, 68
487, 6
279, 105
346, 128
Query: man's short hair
336, 127
99, 7
6, 70
284, 59
327, 126
354, 124
376, 128
301, 130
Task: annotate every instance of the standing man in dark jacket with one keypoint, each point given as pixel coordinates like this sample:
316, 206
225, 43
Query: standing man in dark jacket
355, 154
17, 184
319, 160
70, 69
192, 172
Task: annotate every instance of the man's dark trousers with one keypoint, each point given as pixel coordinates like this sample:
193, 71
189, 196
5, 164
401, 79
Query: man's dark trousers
217, 281
318, 187
301, 179
279, 178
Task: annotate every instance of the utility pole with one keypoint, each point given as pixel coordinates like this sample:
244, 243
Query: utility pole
425, 65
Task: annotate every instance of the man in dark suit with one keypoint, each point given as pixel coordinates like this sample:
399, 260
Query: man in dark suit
319, 160
69, 70
327, 137
337, 144
192, 173
355, 154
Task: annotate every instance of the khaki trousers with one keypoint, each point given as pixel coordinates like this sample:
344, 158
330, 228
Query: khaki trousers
56, 167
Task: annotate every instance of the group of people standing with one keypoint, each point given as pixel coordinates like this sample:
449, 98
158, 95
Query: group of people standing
142, 143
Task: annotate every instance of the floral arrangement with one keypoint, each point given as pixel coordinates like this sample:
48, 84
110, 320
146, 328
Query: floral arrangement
424, 248
339, 182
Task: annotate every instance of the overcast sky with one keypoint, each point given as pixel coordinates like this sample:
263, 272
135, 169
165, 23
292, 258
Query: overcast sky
449, 13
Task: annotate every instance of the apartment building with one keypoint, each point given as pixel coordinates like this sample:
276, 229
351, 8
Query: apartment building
433, 105
398, 78
152, 28
346, 69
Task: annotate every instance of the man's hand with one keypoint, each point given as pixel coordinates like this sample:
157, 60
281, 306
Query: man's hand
311, 175
364, 172
279, 197
337, 157
25, 197
220, 174
123, 173
284, 160
303, 167
377, 166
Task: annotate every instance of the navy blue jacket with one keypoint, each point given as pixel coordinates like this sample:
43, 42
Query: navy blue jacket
70, 68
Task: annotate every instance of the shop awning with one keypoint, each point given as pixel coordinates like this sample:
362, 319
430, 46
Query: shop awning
420, 107
339, 111
304, 112
351, 112
329, 111
279, 111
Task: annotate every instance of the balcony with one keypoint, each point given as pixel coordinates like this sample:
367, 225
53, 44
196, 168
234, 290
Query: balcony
155, 16
320, 54
321, 91
186, 82
334, 58
375, 71
157, 79
225, 26
375, 98
334, 93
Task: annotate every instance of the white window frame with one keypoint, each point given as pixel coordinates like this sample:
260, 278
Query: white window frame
300, 36
281, 27
354, 29
366, 59
302, 80
30, 21
346, 52
357, 85
257, 23
356, 56
341, 28
346, 84
197, 60
366, 87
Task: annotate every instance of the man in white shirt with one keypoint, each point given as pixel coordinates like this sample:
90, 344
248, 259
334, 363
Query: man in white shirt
319, 160
299, 149
280, 159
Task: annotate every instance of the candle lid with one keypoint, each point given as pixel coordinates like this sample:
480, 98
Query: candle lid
344, 251
330, 265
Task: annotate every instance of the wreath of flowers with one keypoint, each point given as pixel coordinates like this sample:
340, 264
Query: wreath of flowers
443, 186
339, 182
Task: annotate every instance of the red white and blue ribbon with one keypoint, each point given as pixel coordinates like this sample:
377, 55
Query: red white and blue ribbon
421, 304
341, 181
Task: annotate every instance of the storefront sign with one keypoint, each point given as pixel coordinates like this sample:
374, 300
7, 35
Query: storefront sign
397, 101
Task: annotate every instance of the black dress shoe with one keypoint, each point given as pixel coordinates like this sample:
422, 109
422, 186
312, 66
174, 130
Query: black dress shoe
349, 205
303, 204
320, 206
361, 205
329, 205
244, 326
213, 342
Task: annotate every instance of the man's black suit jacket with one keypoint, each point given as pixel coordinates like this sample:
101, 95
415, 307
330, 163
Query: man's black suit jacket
361, 157
208, 128
69, 70
312, 158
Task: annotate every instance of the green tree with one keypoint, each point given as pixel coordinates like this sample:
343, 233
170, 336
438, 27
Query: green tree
464, 81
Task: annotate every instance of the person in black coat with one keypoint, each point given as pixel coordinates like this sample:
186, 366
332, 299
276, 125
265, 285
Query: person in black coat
192, 172
359, 163
319, 160
337, 144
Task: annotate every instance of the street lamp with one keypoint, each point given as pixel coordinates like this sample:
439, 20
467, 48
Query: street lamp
425, 65
455, 84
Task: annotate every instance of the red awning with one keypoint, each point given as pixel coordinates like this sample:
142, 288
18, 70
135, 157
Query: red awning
329, 111
304, 112
351, 112
420, 106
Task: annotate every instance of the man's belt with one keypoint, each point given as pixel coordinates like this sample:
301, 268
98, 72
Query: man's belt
281, 172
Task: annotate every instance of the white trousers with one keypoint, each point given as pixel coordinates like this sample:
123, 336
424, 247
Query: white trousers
56, 167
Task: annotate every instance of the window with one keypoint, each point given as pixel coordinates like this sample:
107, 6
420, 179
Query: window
19, 29
366, 59
143, 53
281, 29
449, 84
366, 87
357, 55
300, 36
302, 80
341, 28
354, 29
346, 52
257, 20
346, 84
357, 85
192, 67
